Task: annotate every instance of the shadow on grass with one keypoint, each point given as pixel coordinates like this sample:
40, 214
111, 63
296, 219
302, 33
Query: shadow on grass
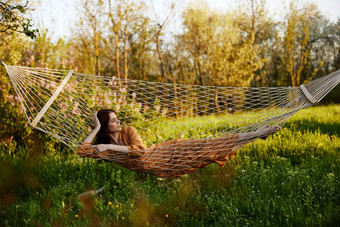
315, 126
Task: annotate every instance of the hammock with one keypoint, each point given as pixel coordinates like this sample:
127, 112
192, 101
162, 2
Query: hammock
62, 102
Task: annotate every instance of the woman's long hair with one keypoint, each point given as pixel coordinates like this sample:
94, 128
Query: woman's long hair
103, 134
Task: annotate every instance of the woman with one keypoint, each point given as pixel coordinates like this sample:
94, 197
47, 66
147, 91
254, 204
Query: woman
172, 158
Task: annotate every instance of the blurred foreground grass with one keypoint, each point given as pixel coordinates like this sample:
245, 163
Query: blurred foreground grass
292, 178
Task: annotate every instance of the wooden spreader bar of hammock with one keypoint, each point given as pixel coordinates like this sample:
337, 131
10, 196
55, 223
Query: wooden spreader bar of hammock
50, 101
308, 95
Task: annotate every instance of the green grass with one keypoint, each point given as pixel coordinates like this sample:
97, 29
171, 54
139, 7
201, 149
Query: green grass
291, 179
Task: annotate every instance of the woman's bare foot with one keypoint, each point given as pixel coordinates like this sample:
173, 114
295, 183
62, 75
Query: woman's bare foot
261, 133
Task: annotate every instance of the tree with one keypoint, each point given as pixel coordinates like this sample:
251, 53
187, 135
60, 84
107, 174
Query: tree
254, 19
220, 52
124, 23
160, 26
12, 19
141, 60
87, 40
296, 48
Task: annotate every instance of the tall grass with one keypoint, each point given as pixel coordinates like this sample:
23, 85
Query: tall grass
290, 179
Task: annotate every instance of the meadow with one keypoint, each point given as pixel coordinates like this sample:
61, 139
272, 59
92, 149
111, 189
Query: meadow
290, 179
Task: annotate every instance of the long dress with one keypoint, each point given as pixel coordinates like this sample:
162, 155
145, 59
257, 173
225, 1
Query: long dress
168, 159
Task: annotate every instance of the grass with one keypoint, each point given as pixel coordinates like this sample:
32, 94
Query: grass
291, 179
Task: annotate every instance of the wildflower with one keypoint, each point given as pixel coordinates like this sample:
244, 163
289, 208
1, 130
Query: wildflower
146, 107
76, 216
110, 203
166, 215
31, 58
157, 108
10, 98
123, 218
330, 175
106, 100
133, 95
117, 206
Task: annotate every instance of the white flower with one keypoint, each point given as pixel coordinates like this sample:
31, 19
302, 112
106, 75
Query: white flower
133, 95
330, 175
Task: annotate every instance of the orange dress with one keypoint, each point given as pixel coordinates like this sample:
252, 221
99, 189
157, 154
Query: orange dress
168, 159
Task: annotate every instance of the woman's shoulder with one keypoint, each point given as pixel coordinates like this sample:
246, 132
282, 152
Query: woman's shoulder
129, 129
130, 132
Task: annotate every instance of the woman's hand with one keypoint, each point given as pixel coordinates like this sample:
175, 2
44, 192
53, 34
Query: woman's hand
95, 120
99, 148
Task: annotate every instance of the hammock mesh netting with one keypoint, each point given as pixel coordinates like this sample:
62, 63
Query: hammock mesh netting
61, 103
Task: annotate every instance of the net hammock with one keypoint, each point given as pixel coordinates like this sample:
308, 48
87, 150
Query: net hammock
204, 118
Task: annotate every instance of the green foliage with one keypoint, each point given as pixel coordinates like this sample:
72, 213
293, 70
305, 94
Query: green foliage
12, 19
14, 128
290, 179
13, 125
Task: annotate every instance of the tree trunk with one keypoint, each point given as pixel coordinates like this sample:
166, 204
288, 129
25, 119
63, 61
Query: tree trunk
117, 58
125, 56
164, 79
96, 50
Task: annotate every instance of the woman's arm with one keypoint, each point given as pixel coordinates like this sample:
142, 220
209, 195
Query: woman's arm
111, 147
96, 129
135, 147
91, 136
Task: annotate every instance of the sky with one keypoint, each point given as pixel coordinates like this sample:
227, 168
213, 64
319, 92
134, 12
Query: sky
59, 16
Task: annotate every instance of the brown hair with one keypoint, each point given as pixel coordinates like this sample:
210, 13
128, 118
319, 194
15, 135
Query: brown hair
103, 134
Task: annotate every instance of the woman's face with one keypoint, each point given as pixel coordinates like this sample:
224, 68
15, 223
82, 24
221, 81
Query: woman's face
114, 123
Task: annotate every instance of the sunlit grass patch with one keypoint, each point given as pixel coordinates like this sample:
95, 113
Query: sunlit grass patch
292, 178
